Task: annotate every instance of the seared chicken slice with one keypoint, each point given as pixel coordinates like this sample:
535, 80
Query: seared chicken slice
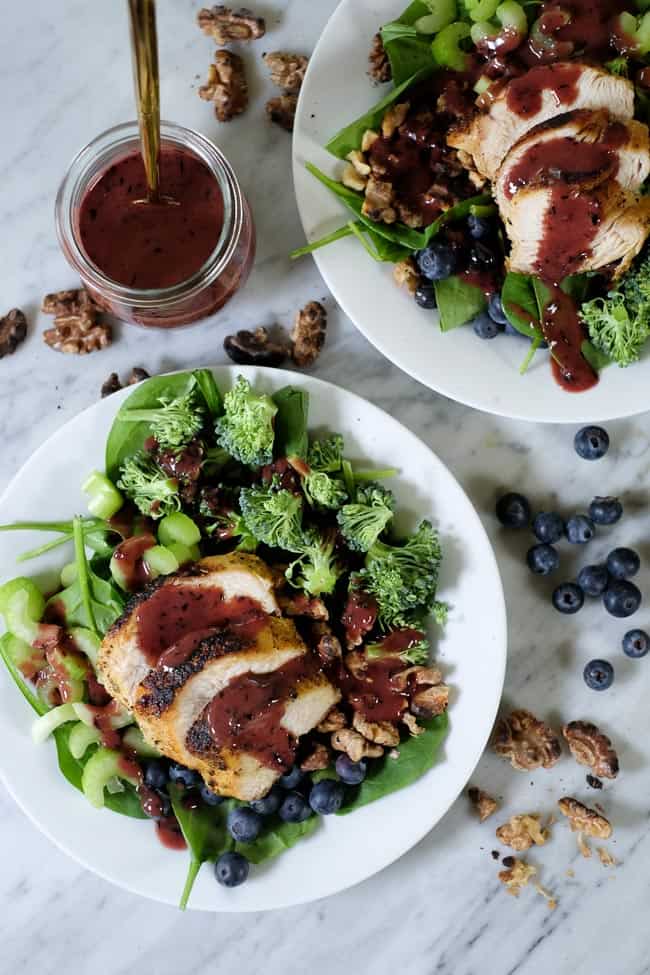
161, 614
219, 684
540, 94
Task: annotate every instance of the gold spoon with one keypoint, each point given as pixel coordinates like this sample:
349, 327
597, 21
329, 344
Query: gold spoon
144, 48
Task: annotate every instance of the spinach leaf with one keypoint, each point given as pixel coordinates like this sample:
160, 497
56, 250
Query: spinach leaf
210, 391
407, 50
520, 306
416, 756
345, 231
204, 831
576, 286
96, 609
291, 438
458, 302
595, 357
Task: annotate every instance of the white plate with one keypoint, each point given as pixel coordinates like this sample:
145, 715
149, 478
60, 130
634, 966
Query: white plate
483, 374
345, 850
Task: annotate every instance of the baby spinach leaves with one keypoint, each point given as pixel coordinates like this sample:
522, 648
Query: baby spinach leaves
408, 51
291, 438
520, 306
458, 302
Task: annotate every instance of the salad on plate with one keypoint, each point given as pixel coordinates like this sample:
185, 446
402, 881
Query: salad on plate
239, 645
505, 174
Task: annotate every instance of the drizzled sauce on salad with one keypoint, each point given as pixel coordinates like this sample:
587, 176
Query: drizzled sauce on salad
525, 94
129, 556
377, 695
564, 333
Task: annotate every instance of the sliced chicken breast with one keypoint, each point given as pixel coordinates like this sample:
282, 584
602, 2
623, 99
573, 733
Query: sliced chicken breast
538, 95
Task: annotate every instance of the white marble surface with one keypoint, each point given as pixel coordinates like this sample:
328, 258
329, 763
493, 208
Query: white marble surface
65, 75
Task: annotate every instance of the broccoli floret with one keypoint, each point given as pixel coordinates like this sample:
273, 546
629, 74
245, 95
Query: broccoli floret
619, 66
246, 428
403, 578
273, 517
323, 491
316, 570
147, 485
363, 522
175, 422
635, 285
619, 325
326, 455
417, 655
230, 526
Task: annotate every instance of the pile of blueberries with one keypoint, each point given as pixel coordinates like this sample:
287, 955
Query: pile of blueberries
293, 799
609, 580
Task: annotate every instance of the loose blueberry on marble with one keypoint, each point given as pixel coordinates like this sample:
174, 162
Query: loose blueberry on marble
513, 510
244, 824
548, 526
292, 778
425, 295
591, 443
605, 511
495, 310
231, 869
621, 598
623, 563
437, 261
542, 559
580, 529
599, 675
636, 644
294, 808
326, 796
485, 327
184, 776
352, 773
568, 598
270, 803
593, 579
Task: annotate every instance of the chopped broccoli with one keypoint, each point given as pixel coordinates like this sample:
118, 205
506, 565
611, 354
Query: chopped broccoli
417, 655
175, 422
618, 65
230, 526
147, 485
635, 285
316, 570
326, 455
273, 517
619, 325
323, 491
403, 578
246, 428
363, 522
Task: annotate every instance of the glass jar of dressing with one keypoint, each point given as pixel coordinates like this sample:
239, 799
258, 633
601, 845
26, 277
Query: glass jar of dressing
155, 264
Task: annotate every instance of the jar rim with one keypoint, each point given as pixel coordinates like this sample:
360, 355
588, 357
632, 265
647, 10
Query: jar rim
94, 158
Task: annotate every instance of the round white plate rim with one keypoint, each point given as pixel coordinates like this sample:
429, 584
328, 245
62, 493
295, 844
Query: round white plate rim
567, 407
499, 621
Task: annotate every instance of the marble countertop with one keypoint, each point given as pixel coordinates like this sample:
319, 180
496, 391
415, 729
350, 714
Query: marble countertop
64, 76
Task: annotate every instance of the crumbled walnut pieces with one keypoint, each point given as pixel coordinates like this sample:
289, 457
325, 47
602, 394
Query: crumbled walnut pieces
378, 732
483, 804
318, 758
334, 720
224, 25
605, 857
328, 647
590, 747
282, 111
517, 876
287, 70
429, 702
411, 722
226, 86
393, 118
368, 140
405, 275
378, 203
355, 745
76, 330
352, 179
521, 832
308, 335
112, 384
379, 65
255, 348
527, 742
582, 819
13, 330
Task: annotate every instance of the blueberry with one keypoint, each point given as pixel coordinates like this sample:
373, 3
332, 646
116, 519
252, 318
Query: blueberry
270, 803
481, 258
231, 869
580, 529
209, 797
621, 598
425, 295
437, 261
591, 443
352, 773
636, 643
479, 227
495, 310
513, 510
294, 808
156, 775
326, 797
599, 675
542, 559
568, 598
605, 511
292, 778
244, 824
485, 327
623, 563
593, 579
548, 526
184, 776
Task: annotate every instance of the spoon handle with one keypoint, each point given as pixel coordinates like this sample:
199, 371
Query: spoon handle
144, 46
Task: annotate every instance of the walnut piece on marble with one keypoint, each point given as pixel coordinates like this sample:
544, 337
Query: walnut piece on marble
483, 804
112, 384
605, 857
226, 86
224, 25
282, 111
334, 720
590, 747
287, 70
13, 330
256, 348
379, 65
76, 329
308, 335
582, 819
378, 732
317, 759
517, 876
526, 741
521, 832
71, 340
355, 745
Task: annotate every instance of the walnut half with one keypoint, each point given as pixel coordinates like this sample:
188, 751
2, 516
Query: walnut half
379, 732
590, 747
355, 745
308, 335
483, 804
13, 329
76, 330
287, 70
379, 66
582, 819
226, 86
526, 741
224, 25
521, 832
282, 111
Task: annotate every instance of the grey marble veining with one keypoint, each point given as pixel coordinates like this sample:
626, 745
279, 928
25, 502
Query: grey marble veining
64, 76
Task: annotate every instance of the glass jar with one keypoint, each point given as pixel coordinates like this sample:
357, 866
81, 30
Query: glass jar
211, 286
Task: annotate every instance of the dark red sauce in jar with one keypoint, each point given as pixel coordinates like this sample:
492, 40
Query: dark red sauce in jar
565, 334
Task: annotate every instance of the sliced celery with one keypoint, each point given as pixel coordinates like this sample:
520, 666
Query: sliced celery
34, 603
69, 573
135, 740
18, 616
104, 500
81, 737
87, 642
104, 765
446, 47
443, 12
160, 561
178, 527
47, 723
182, 553
118, 719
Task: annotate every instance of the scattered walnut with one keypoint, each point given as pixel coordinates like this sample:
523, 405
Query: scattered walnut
13, 329
226, 86
379, 732
411, 723
405, 275
352, 179
517, 876
75, 329
550, 900
582, 819
430, 701
526, 741
224, 25
590, 747
282, 111
71, 340
318, 758
334, 720
355, 745
74, 305
368, 140
394, 118
378, 204
255, 348
113, 384
308, 336
605, 857
380, 70
484, 804
520, 832
287, 70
